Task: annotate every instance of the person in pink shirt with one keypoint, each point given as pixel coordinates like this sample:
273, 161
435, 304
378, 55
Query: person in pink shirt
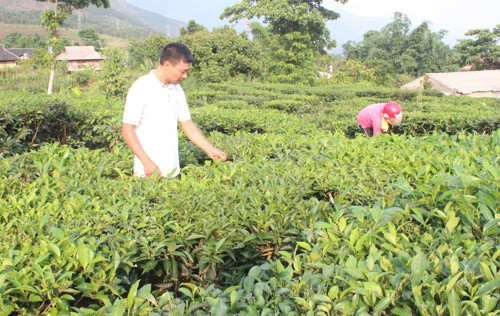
376, 118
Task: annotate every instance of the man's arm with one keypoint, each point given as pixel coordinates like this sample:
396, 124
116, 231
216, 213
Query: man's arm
133, 142
194, 134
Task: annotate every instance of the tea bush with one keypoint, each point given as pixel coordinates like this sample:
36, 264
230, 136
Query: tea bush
307, 216
28, 120
83, 215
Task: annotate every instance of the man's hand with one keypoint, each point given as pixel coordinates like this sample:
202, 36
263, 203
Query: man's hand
135, 145
215, 153
149, 169
193, 133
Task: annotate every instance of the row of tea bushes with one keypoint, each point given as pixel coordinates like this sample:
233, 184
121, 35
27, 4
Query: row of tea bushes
322, 106
258, 93
229, 117
28, 120
349, 225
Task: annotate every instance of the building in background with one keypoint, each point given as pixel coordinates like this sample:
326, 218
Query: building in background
81, 58
21, 53
484, 83
7, 59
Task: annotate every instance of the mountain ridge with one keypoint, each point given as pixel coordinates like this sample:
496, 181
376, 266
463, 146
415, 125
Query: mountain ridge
121, 18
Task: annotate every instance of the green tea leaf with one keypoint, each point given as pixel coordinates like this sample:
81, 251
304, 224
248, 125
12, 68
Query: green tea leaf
454, 305
418, 267
373, 287
304, 245
452, 222
383, 304
487, 287
492, 227
320, 298
233, 297
453, 281
131, 295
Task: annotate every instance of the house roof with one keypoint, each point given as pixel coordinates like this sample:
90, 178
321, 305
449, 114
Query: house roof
463, 82
6, 55
74, 53
19, 52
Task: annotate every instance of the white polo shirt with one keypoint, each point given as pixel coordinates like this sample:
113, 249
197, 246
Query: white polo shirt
155, 109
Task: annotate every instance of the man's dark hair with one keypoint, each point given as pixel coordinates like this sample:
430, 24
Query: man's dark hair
176, 52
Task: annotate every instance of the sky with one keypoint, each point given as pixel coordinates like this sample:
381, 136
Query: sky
455, 16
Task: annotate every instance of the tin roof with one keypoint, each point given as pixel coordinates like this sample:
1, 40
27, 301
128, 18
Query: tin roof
79, 53
19, 52
463, 82
5, 55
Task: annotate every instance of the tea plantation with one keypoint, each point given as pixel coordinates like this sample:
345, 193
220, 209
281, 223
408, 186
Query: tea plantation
307, 216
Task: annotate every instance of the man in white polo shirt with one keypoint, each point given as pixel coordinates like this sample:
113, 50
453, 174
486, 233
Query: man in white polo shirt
154, 105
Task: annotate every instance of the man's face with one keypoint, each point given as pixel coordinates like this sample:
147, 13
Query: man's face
176, 74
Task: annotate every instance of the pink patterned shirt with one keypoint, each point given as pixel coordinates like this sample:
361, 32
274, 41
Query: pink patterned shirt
371, 116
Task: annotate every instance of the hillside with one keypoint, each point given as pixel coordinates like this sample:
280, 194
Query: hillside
120, 20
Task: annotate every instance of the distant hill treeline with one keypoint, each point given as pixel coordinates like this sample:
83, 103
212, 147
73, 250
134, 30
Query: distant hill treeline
120, 20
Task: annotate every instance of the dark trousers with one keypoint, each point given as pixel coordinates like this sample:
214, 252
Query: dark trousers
368, 131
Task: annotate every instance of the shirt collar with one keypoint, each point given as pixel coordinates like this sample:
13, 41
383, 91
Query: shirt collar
158, 83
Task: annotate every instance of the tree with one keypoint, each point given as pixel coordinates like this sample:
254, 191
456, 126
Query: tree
41, 59
146, 54
90, 38
192, 28
483, 52
19, 40
397, 49
52, 20
281, 64
428, 51
114, 74
222, 54
299, 27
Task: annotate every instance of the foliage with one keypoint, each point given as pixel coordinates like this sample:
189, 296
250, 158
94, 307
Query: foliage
52, 19
35, 80
114, 74
18, 40
90, 38
41, 59
282, 65
482, 52
305, 217
354, 72
191, 28
397, 50
83, 77
119, 230
222, 54
28, 120
146, 54
19, 17
298, 28
305, 19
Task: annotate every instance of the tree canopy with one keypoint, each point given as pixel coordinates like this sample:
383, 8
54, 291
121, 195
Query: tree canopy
299, 27
146, 54
400, 50
90, 38
191, 28
24, 40
53, 19
222, 54
482, 52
